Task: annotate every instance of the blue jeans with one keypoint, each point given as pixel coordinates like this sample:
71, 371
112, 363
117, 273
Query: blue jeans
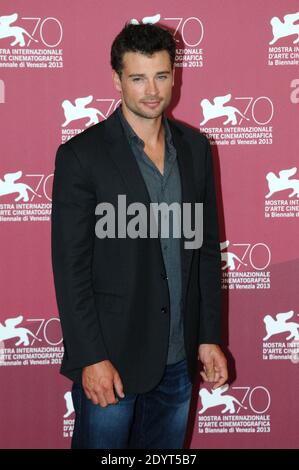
153, 420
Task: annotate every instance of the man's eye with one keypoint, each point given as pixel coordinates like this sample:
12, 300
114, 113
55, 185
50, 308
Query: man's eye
137, 79
162, 76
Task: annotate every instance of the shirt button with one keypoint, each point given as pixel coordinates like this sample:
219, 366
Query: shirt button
164, 309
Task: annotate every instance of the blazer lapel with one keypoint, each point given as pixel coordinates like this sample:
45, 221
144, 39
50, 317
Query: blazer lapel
120, 152
188, 194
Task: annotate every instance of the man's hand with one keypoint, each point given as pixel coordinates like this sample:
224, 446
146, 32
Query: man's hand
98, 380
214, 364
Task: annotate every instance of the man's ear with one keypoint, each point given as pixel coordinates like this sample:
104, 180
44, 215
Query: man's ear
173, 70
116, 80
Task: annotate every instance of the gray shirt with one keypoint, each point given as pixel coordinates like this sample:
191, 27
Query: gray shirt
164, 188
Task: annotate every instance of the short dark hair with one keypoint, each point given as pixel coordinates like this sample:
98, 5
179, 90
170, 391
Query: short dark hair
143, 38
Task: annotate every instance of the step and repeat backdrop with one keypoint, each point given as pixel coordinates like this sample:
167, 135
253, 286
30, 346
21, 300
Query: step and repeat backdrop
237, 81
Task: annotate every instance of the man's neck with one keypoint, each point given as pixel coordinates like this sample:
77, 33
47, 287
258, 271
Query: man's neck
151, 131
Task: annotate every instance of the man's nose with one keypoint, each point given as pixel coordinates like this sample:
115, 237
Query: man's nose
151, 87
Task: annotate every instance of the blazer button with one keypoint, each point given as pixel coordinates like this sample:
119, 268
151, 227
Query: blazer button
164, 276
164, 309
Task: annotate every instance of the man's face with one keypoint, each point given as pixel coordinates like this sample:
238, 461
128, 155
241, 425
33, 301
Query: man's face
146, 83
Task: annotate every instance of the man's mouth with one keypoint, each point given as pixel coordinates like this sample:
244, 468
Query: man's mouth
151, 104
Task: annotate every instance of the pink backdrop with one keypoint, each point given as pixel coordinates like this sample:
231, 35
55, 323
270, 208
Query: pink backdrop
244, 94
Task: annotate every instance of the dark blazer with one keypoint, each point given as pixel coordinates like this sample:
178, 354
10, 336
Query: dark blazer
112, 294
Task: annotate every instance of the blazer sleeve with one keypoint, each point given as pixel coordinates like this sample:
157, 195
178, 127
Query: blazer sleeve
210, 262
72, 240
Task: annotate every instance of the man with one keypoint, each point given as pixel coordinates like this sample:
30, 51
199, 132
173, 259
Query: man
137, 313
